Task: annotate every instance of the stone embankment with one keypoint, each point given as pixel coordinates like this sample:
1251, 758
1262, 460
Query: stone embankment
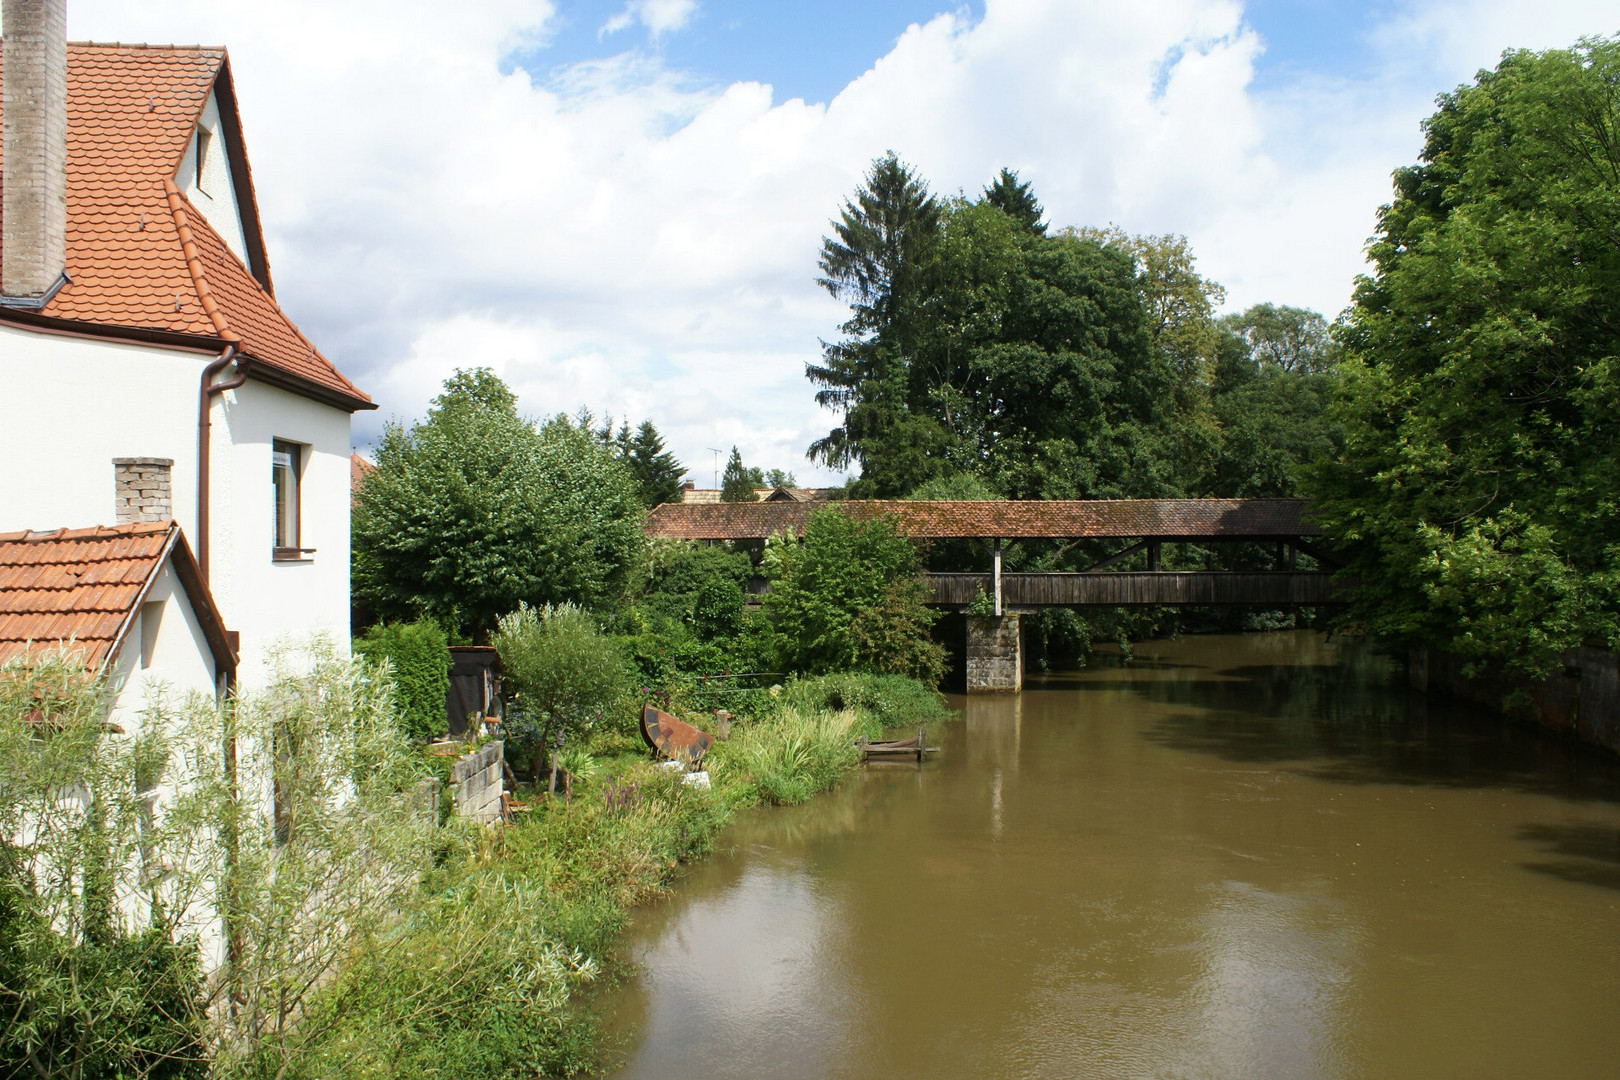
1583, 699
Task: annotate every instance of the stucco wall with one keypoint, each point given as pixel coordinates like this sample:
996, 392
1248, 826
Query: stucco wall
179, 661
216, 197
71, 405
263, 599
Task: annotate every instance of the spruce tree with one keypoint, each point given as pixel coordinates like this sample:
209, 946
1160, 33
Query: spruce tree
1017, 201
737, 485
658, 474
878, 263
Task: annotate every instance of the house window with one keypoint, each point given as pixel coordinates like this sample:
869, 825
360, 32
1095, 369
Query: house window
151, 619
286, 468
204, 139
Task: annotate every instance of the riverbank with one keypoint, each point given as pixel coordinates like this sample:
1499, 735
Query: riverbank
514, 924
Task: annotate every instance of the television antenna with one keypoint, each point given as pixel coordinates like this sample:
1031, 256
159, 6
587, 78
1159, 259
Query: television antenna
716, 454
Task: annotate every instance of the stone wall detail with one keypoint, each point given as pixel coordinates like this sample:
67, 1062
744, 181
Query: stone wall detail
143, 489
476, 783
995, 655
1583, 699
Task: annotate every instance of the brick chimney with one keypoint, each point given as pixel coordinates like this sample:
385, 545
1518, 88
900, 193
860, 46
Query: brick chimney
143, 489
35, 88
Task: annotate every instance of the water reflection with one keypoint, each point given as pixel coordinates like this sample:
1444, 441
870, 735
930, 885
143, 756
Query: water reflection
1271, 991
1238, 857
745, 970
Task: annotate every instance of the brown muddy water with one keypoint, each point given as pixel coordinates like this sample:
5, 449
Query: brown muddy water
1248, 856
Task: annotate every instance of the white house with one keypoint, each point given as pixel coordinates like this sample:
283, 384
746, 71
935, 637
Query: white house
146, 370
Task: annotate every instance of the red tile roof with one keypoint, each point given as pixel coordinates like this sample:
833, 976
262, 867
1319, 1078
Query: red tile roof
359, 469
139, 256
84, 586
1007, 520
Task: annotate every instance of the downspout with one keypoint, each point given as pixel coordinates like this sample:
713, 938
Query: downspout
205, 423
206, 389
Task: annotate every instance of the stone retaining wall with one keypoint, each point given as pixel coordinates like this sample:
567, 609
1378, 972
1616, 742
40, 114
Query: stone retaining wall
1583, 699
476, 783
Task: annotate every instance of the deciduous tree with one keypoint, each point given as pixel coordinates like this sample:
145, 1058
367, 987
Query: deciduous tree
1479, 490
476, 509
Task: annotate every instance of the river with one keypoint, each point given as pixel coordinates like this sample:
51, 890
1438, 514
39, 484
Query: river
1241, 856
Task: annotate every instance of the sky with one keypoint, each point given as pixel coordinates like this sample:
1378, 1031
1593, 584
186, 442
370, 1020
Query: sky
618, 205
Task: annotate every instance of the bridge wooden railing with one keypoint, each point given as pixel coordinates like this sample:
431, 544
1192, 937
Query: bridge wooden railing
1273, 588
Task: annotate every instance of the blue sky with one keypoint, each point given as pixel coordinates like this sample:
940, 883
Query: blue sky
804, 50
813, 50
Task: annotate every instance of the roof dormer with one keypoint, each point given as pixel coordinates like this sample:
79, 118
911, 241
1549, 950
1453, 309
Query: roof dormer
205, 177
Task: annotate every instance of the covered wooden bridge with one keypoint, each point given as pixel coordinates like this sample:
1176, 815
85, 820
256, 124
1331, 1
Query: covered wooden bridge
1141, 526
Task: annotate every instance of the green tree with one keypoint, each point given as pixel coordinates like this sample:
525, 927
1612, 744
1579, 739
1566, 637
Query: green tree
1290, 338
849, 598
563, 673
1017, 201
476, 508
960, 486
1479, 490
738, 482
657, 473
878, 262
779, 478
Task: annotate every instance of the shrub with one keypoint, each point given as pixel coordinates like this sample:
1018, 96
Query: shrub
849, 599
98, 976
419, 660
564, 674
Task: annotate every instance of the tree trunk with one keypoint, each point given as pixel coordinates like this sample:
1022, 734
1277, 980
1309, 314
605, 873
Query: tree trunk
540, 754
551, 787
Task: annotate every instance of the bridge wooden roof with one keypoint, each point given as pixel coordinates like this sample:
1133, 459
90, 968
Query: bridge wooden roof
1178, 519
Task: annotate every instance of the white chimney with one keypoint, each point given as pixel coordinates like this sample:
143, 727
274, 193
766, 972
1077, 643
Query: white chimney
35, 88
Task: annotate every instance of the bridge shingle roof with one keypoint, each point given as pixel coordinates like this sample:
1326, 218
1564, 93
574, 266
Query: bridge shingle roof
1074, 519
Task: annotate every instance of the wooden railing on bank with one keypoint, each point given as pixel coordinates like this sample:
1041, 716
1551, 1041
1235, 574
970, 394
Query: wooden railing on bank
1269, 588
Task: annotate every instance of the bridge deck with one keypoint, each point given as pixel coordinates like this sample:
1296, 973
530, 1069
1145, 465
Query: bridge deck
1275, 588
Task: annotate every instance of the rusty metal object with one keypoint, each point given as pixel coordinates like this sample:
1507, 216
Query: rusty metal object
675, 739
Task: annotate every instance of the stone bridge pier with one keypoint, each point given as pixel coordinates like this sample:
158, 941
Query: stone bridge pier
995, 655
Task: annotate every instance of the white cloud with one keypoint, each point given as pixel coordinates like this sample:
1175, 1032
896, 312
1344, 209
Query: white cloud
618, 236
658, 16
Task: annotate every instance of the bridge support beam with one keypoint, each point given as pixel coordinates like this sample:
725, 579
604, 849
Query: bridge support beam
995, 655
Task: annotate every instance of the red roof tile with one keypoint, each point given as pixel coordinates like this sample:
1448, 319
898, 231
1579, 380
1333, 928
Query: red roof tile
83, 585
76, 584
1007, 520
138, 254
359, 469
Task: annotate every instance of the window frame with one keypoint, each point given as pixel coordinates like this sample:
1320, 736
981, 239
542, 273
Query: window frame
200, 146
280, 549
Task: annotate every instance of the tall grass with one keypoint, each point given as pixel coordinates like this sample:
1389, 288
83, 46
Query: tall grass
880, 702
793, 754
